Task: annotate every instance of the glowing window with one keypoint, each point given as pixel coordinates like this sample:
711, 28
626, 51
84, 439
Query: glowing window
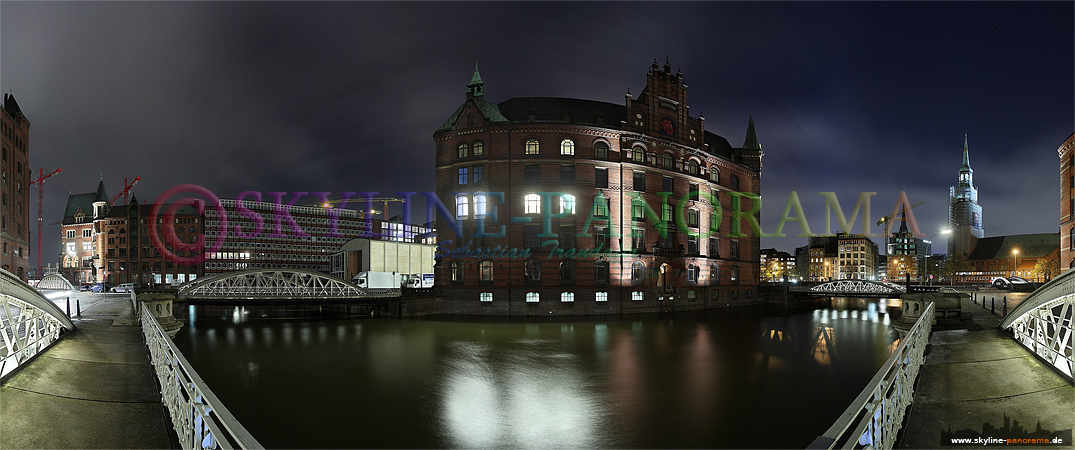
532, 147
486, 296
532, 203
462, 206
567, 147
567, 204
601, 297
533, 297
567, 297
636, 296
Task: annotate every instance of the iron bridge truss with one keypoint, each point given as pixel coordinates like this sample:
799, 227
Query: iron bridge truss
55, 281
1043, 323
29, 322
263, 284
858, 287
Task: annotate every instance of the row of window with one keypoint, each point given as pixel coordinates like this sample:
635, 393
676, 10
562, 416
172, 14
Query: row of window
532, 271
601, 296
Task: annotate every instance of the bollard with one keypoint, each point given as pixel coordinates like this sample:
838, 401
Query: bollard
993, 305
68, 306
78, 307
1005, 305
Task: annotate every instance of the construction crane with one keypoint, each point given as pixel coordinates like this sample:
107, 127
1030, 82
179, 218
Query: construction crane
126, 190
362, 201
892, 216
40, 182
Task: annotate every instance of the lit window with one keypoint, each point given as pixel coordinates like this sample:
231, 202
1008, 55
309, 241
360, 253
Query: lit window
601, 296
532, 147
567, 204
636, 296
462, 175
735, 275
567, 147
486, 296
533, 297
714, 174
692, 218
532, 202
636, 154
600, 206
692, 272
713, 274
486, 269
462, 206
666, 161
567, 297
692, 167
691, 295
666, 212
479, 205
463, 150
479, 149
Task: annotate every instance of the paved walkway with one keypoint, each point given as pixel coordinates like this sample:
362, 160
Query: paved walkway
93, 389
978, 382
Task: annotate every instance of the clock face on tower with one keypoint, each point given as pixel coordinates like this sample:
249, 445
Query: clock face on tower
668, 127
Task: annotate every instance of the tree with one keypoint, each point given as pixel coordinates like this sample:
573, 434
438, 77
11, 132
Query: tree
955, 265
1045, 269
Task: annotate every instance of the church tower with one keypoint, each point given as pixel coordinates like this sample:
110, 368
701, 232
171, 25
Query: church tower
964, 212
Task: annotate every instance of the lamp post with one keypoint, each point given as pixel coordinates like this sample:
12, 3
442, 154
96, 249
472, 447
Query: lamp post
930, 241
1015, 260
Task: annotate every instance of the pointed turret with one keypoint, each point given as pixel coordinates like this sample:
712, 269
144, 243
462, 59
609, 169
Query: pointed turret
476, 86
966, 174
751, 142
102, 195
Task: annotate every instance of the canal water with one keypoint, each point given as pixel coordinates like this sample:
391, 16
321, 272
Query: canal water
742, 378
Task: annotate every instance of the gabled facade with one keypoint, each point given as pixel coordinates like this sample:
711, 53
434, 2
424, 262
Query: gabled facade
589, 207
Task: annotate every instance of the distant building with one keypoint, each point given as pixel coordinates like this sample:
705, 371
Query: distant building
903, 255
857, 257
964, 212
15, 189
802, 263
776, 265
78, 253
821, 269
1067, 202
377, 255
584, 223
303, 238
1015, 255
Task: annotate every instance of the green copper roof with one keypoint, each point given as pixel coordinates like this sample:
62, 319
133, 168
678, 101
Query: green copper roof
751, 142
477, 78
487, 108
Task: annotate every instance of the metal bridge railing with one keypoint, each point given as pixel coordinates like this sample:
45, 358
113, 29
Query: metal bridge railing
29, 323
1043, 324
198, 416
874, 418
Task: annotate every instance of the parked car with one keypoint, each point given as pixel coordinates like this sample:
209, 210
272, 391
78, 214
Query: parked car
84, 287
99, 287
126, 287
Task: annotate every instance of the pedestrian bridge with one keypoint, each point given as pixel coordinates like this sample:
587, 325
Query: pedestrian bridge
29, 322
55, 281
276, 284
855, 288
1043, 323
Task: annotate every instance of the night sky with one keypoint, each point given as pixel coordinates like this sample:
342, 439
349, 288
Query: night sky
846, 97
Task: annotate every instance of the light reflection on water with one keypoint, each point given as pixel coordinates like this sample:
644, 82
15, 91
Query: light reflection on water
726, 378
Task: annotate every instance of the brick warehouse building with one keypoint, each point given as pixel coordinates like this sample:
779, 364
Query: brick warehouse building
1066, 151
15, 177
560, 175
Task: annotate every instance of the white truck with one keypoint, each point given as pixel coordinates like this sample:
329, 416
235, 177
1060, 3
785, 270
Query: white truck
378, 280
418, 280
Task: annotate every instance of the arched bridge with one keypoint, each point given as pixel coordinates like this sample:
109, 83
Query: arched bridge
29, 322
275, 284
856, 288
55, 281
1043, 323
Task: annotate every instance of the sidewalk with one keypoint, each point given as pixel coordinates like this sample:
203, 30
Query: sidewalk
978, 382
94, 389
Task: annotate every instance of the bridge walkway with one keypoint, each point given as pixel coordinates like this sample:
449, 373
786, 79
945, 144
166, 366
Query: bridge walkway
976, 380
93, 389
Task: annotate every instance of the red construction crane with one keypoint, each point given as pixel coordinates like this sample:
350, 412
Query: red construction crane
40, 182
125, 191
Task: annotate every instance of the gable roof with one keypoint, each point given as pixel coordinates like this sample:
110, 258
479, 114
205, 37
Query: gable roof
1029, 246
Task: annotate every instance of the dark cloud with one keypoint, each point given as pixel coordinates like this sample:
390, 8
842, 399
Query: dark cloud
846, 97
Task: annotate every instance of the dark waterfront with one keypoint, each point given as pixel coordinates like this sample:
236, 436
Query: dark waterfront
746, 377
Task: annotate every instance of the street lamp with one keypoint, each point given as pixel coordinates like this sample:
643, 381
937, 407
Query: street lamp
930, 241
1015, 260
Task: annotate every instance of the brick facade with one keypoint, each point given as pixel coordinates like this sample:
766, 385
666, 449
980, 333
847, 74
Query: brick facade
545, 163
15, 175
1067, 203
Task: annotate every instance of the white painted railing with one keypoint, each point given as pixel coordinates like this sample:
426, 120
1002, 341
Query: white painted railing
1042, 323
875, 416
199, 417
29, 322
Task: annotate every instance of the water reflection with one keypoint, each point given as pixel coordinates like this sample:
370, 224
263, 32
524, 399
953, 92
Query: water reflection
697, 380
